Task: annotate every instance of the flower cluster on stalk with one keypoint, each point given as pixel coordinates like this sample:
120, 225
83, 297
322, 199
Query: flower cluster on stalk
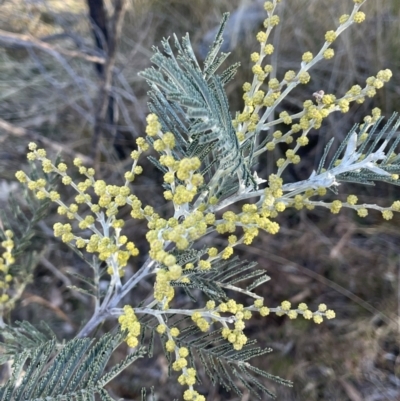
196, 214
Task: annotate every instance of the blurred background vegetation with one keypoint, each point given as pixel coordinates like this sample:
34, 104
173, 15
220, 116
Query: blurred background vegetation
50, 91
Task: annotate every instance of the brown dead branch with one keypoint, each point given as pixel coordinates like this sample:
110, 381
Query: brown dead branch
31, 298
105, 89
341, 290
19, 131
16, 39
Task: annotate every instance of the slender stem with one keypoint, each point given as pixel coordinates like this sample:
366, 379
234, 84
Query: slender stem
113, 298
93, 322
188, 312
144, 271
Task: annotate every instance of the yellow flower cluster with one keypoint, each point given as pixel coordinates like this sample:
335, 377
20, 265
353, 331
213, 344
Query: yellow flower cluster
201, 323
6, 260
352, 199
307, 57
343, 19
358, 94
299, 201
396, 206
302, 141
328, 54
183, 170
192, 395
359, 17
261, 37
289, 75
163, 291
271, 21
179, 364
387, 214
109, 199
302, 309
374, 83
304, 77
269, 6
191, 228
235, 336
286, 119
330, 36
63, 231
181, 233
362, 212
153, 125
313, 114
251, 220
182, 180
336, 206
188, 377
129, 322
254, 98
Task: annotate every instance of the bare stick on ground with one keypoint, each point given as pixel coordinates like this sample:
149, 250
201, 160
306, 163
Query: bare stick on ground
11, 129
15, 39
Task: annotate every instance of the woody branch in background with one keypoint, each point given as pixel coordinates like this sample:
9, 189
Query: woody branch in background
106, 32
102, 114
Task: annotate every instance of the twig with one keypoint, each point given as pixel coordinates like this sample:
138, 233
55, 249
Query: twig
105, 310
61, 276
104, 92
79, 82
16, 39
19, 131
98, 17
325, 281
29, 298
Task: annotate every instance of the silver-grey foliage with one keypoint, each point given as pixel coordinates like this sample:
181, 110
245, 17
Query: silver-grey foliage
191, 102
71, 371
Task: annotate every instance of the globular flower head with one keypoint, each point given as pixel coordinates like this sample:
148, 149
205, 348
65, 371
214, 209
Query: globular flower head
304, 77
307, 57
359, 17
330, 36
268, 49
329, 53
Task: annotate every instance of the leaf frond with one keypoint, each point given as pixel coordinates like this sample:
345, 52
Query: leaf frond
192, 104
73, 371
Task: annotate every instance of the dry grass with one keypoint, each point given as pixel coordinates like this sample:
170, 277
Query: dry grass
350, 264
